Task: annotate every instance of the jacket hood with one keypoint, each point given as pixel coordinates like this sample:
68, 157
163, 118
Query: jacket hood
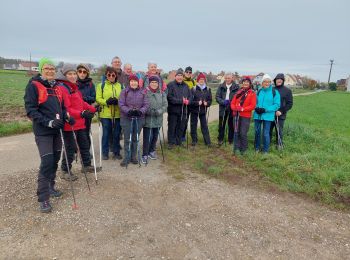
279, 76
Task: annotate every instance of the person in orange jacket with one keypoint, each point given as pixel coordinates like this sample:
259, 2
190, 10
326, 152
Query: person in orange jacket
242, 105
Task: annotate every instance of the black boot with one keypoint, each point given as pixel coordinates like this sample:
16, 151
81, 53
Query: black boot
45, 206
55, 193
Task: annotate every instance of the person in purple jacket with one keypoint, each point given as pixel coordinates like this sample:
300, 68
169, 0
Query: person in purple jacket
133, 105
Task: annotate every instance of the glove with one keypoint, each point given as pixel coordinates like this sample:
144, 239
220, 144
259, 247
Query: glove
137, 113
226, 102
186, 102
130, 113
239, 108
56, 124
87, 114
98, 108
70, 121
259, 110
112, 101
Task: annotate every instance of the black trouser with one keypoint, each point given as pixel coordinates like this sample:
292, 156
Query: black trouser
69, 142
204, 127
50, 152
241, 143
88, 128
150, 138
281, 125
176, 127
186, 125
228, 118
131, 127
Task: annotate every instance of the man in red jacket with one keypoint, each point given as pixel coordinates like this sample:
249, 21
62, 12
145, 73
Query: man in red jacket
78, 109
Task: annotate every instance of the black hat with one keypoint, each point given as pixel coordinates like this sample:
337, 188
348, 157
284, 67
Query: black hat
189, 68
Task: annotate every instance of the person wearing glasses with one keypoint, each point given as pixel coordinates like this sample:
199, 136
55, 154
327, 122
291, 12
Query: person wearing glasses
190, 83
87, 89
107, 96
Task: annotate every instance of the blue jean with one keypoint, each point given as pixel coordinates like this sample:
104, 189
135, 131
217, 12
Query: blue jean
266, 134
107, 130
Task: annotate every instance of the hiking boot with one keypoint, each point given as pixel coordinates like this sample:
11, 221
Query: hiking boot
144, 159
88, 169
65, 176
117, 157
193, 144
220, 143
105, 157
153, 156
209, 145
55, 193
45, 206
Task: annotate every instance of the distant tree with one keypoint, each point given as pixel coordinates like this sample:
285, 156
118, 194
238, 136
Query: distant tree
101, 70
332, 86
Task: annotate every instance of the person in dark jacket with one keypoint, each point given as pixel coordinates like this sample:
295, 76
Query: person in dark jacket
201, 101
179, 98
133, 105
45, 107
122, 78
80, 110
154, 118
87, 89
286, 105
224, 96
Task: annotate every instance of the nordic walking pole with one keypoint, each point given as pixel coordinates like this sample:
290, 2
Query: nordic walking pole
74, 206
100, 137
93, 156
235, 137
160, 142
187, 126
80, 157
130, 140
138, 143
223, 125
149, 140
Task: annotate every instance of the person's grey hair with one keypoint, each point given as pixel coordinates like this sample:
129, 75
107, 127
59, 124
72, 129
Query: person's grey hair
127, 64
228, 74
115, 58
151, 63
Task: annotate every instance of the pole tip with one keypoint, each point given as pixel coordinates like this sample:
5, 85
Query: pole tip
74, 206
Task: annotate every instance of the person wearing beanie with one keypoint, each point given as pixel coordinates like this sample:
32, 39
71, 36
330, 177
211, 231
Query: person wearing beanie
79, 111
224, 96
152, 71
158, 104
179, 98
268, 102
242, 105
133, 105
87, 89
45, 107
107, 96
201, 101
286, 105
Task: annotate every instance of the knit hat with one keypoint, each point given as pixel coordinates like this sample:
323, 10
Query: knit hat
189, 68
67, 68
265, 77
133, 77
201, 76
179, 71
246, 78
154, 78
44, 61
84, 66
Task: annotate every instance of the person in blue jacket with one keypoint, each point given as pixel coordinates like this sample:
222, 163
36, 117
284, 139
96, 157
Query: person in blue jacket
268, 102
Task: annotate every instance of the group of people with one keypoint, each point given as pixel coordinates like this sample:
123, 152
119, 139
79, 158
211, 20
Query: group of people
62, 105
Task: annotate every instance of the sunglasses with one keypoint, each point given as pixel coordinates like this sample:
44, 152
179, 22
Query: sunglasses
111, 75
82, 71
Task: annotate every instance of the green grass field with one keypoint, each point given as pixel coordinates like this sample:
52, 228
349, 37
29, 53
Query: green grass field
316, 158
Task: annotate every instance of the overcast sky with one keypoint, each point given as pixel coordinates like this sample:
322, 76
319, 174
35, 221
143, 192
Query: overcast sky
291, 36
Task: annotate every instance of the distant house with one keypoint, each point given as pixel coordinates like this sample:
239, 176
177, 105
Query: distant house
341, 82
290, 80
9, 66
258, 78
25, 65
348, 84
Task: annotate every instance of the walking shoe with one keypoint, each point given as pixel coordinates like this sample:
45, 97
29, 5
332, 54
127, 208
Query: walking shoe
144, 159
45, 206
65, 176
209, 145
124, 163
105, 157
55, 193
193, 144
153, 155
134, 161
88, 169
117, 157
220, 143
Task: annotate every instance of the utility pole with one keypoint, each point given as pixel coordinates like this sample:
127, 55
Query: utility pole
330, 71
30, 62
